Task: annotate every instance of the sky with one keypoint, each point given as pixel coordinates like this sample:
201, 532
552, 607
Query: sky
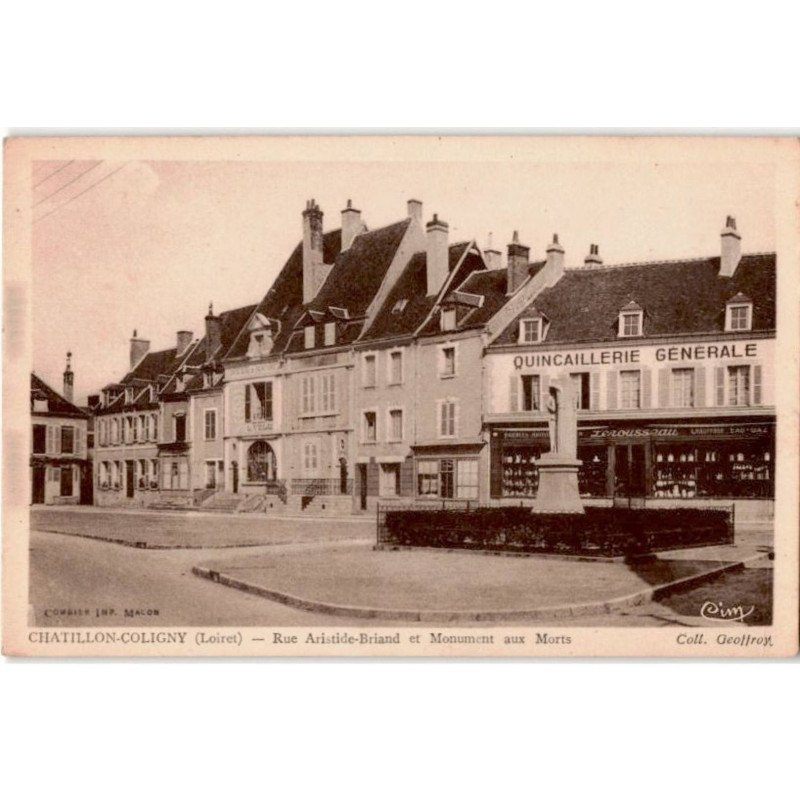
146, 245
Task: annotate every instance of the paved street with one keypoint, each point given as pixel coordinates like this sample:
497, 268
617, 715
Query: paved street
79, 574
80, 580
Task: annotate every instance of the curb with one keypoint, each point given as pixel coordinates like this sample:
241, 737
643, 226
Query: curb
543, 613
139, 545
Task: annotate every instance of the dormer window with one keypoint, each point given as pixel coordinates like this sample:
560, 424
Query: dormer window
448, 319
262, 335
308, 333
330, 333
128, 394
739, 314
530, 330
630, 320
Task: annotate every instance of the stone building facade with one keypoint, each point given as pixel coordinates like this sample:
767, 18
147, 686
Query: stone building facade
59, 463
392, 365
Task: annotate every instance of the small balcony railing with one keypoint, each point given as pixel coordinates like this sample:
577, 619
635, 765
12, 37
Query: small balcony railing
314, 487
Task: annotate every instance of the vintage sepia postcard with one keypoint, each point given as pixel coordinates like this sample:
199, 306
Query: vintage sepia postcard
401, 396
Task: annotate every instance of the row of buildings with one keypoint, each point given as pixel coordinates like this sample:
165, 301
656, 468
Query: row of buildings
395, 364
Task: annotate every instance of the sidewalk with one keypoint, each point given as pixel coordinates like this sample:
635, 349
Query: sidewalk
426, 585
168, 531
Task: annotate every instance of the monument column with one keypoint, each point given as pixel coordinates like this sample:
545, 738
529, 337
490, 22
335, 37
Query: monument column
558, 469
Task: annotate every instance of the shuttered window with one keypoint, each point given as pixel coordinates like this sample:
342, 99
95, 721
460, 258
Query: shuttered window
531, 393
739, 386
683, 388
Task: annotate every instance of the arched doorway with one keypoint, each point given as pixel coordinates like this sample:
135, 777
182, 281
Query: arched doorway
261, 463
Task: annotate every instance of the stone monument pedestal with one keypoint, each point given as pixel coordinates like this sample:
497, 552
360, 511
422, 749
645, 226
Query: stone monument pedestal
558, 486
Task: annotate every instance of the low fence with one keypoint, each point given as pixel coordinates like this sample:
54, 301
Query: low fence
314, 487
605, 532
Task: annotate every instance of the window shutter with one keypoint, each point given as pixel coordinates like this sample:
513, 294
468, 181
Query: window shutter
455, 419
663, 388
513, 394
647, 387
247, 403
57, 442
757, 384
78, 442
719, 380
611, 387
594, 390
544, 392
699, 387
49, 444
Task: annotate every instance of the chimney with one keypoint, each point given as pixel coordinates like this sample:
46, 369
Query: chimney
351, 224
437, 255
183, 341
731, 249
312, 249
139, 349
493, 258
593, 259
415, 211
213, 332
69, 380
555, 258
517, 265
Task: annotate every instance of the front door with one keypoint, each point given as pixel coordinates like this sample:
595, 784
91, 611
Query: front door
65, 489
629, 470
38, 484
342, 476
129, 478
235, 476
362, 481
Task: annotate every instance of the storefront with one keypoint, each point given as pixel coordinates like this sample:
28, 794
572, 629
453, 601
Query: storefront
448, 472
652, 459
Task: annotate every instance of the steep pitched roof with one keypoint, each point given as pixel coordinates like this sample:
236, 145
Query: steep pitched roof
160, 362
407, 306
488, 286
352, 283
680, 297
359, 271
284, 300
56, 404
232, 322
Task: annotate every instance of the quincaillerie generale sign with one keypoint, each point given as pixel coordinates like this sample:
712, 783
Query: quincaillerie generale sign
638, 355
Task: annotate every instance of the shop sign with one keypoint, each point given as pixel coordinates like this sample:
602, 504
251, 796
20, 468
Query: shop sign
258, 426
633, 355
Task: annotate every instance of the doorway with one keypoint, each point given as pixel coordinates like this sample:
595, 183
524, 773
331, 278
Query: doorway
629, 470
362, 485
130, 483
343, 476
65, 482
37, 496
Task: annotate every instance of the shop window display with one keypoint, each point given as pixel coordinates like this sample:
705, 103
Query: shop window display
729, 469
592, 474
520, 472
